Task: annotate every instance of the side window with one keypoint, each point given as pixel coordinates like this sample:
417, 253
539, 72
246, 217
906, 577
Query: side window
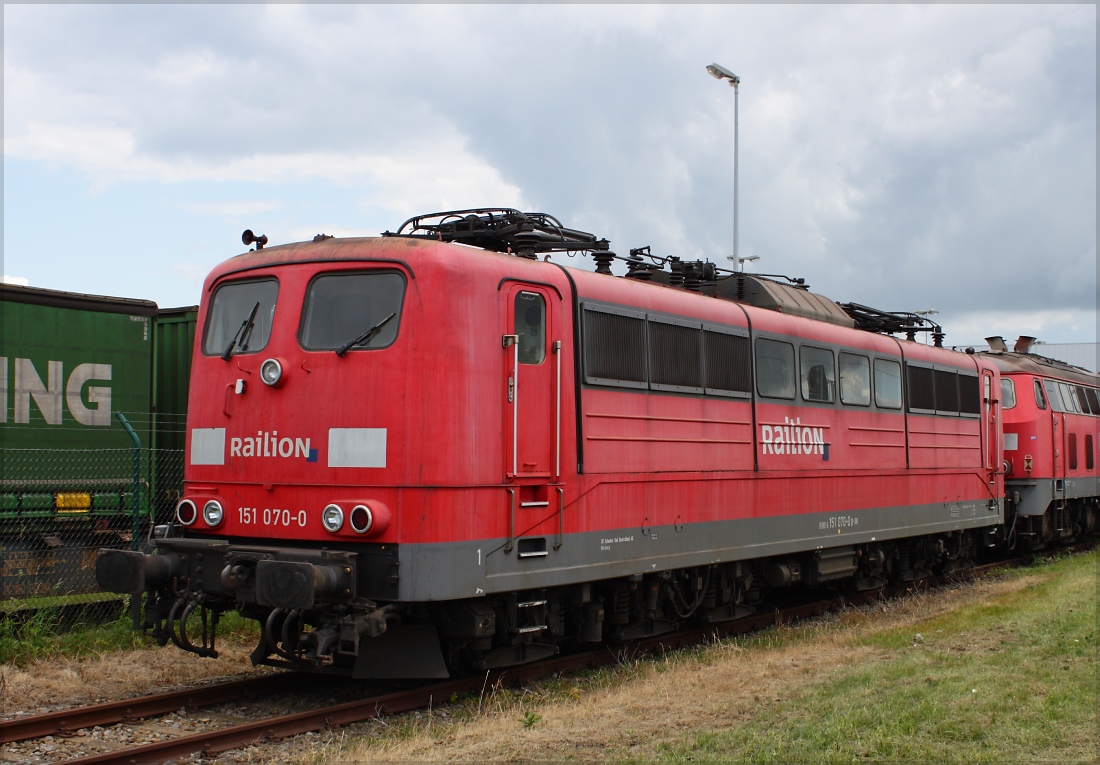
1094, 402
855, 379
1069, 401
530, 326
1040, 398
1082, 400
1054, 396
774, 368
887, 384
1072, 451
1090, 459
818, 374
1008, 393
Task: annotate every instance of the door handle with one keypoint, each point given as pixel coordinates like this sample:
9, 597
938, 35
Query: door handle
512, 341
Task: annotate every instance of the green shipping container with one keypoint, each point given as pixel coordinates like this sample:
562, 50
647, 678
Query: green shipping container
175, 341
68, 364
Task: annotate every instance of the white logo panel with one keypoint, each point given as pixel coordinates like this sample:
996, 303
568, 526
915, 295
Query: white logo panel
208, 446
357, 447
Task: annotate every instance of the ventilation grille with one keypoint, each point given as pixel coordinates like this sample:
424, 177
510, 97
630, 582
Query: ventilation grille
614, 347
970, 400
947, 391
728, 364
922, 393
674, 356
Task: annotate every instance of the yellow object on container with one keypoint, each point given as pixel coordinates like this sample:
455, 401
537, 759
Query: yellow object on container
73, 501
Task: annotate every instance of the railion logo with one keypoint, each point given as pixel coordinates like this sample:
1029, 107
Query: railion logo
268, 444
792, 437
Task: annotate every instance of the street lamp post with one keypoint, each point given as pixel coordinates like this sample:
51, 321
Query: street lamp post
721, 73
747, 259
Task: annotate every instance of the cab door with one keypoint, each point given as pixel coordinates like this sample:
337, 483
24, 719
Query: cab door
530, 386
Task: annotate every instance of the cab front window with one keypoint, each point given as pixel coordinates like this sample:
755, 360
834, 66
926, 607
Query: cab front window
352, 311
240, 316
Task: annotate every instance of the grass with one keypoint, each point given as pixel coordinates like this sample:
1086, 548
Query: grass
48, 633
49, 601
1009, 680
1002, 671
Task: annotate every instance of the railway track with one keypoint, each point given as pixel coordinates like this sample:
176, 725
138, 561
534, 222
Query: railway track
276, 728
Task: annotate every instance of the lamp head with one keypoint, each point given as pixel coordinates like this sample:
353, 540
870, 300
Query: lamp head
721, 73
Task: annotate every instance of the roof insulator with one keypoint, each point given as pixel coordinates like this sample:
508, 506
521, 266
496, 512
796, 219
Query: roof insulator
676, 278
603, 260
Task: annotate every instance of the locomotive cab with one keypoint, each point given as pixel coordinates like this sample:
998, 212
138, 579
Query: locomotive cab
360, 399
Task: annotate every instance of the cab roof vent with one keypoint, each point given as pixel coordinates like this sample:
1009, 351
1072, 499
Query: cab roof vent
1023, 344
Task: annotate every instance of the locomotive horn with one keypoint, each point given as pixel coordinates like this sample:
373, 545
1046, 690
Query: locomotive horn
248, 238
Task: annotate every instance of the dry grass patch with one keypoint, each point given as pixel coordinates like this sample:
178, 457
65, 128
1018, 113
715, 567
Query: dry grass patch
65, 682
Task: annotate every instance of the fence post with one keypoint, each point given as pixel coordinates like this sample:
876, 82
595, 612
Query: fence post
135, 524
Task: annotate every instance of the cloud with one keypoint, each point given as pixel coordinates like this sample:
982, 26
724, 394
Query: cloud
973, 328
234, 209
899, 156
22, 281
443, 174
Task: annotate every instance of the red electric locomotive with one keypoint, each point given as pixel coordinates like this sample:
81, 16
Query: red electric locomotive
1051, 430
431, 451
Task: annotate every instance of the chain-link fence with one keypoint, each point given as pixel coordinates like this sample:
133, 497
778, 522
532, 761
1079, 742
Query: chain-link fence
58, 506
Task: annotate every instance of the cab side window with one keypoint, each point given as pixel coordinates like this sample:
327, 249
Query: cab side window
1054, 396
530, 327
1040, 399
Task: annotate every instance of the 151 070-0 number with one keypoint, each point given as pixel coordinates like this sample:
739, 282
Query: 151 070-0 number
271, 516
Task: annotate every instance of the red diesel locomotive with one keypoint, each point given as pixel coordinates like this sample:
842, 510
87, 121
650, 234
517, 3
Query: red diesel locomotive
1051, 430
432, 452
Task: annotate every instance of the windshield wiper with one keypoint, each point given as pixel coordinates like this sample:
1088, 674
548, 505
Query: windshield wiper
365, 336
242, 332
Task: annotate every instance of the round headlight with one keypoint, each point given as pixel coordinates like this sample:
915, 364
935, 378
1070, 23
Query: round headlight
212, 513
362, 519
186, 512
332, 518
271, 372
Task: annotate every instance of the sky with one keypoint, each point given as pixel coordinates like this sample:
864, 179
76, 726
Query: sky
922, 157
